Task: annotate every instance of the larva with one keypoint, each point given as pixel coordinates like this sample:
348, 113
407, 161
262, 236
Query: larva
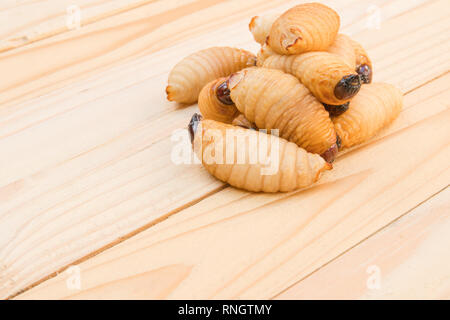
215, 103
343, 47
325, 74
303, 28
348, 49
254, 161
272, 99
260, 27
192, 73
363, 64
263, 54
376, 106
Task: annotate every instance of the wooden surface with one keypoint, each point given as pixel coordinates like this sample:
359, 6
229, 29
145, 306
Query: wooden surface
87, 179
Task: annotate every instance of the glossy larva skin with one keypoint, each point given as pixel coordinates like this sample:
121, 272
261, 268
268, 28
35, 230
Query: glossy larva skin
275, 100
320, 72
212, 108
375, 107
260, 27
343, 47
192, 73
303, 28
296, 168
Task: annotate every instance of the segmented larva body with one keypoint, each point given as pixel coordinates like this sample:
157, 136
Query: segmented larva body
343, 47
272, 99
192, 73
280, 165
326, 75
263, 54
303, 28
260, 27
376, 106
363, 64
211, 107
348, 49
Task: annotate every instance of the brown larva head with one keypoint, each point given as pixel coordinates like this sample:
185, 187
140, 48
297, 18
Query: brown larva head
211, 107
223, 93
193, 125
365, 72
335, 111
331, 153
347, 87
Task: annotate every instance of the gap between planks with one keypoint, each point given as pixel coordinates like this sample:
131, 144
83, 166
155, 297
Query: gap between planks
356, 245
223, 187
120, 240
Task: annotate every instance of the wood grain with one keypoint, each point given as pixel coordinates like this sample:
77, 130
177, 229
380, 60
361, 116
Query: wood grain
243, 245
108, 40
410, 257
89, 164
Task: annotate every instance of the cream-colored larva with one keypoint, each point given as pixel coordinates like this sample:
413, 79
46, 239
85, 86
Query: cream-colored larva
326, 75
272, 99
192, 73
376, 106
260, 27
303, 28
256, 161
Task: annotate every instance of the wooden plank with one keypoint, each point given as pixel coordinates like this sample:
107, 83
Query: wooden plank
93, 174
103, 43
242, 245
69, 56
407, 260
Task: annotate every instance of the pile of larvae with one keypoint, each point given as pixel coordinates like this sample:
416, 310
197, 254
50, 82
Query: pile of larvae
308, 81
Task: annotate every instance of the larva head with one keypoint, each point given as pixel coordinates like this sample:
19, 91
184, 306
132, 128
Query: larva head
215, 103
347, 87
193, 125
223, 93
365, 72
334, 110
331, 153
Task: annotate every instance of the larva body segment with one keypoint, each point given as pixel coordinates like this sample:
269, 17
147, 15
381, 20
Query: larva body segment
343, 47
263, 54
303, 28
192, 73
279, 166
260, 27
363, 63
274, 100
211, 107
376, 106
326, 75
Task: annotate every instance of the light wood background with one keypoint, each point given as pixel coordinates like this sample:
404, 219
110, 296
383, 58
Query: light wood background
86, 177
